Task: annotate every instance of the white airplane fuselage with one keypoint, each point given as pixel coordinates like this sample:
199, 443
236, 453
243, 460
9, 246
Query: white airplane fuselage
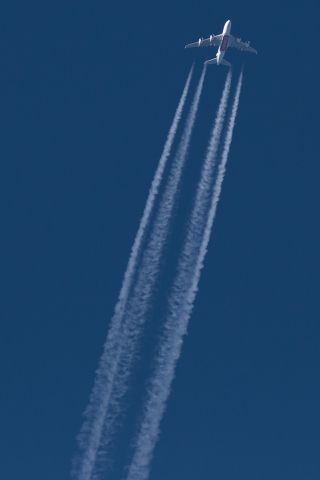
224, 42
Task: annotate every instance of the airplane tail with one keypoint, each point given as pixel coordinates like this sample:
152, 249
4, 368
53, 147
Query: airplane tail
224, 62
213, 61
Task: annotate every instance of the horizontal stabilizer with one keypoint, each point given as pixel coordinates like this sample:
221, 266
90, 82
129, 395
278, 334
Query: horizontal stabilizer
224, 62
213, 61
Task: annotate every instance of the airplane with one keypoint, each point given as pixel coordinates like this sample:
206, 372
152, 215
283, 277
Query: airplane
223, 42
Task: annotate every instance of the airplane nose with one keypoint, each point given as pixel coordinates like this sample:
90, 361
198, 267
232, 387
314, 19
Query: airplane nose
227, 27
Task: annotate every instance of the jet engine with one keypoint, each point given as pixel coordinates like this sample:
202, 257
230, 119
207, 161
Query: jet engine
211, 38
200, 41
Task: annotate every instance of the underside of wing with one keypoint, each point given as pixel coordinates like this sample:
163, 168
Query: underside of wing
212, 41
240, 45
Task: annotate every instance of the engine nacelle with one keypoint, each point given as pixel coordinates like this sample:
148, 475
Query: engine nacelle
200, 41
211, 38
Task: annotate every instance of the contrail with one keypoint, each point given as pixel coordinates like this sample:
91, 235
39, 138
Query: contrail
180, 308
141, 295
90, 435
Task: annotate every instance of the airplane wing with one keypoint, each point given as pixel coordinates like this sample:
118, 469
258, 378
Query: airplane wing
238, 43
212, 41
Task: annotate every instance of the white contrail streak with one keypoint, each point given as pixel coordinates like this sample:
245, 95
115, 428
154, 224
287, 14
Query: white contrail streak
180, 308
90, 434
141, 295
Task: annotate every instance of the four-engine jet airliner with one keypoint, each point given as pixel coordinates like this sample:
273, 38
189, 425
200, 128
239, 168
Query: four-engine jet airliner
223, 41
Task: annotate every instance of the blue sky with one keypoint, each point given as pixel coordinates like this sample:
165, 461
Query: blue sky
87, 92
